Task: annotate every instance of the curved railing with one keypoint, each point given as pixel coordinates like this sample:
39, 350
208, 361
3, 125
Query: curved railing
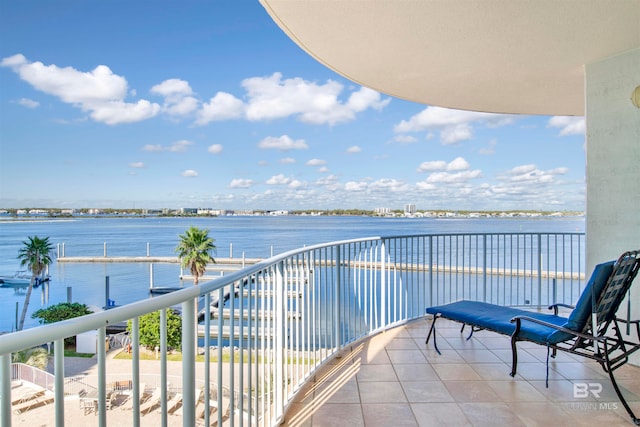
286, 316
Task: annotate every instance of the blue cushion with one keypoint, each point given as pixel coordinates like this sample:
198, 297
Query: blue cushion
579, 316
544, 334
498, 318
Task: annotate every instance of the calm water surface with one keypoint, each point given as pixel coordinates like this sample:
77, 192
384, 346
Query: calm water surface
256, 237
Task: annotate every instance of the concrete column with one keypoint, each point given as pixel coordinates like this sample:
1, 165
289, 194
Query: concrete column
613, 164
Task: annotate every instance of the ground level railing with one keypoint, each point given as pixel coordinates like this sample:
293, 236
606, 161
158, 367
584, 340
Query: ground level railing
270, 325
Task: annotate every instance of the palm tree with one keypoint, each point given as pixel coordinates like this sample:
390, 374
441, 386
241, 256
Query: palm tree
35, 254
194, 251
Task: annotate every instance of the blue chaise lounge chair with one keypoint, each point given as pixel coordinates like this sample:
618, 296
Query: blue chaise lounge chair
598, 304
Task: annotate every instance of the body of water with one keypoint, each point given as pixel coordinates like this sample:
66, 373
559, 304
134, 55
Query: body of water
255, 237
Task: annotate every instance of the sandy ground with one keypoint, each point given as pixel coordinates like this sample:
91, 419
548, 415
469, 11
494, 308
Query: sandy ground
120, 414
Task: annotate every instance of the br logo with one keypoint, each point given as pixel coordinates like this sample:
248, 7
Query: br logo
582, 390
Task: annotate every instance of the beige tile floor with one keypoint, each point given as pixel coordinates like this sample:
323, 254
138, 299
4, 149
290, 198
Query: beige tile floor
395, 379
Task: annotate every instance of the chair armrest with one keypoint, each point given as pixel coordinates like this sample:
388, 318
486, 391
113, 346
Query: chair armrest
554, 307
518, 320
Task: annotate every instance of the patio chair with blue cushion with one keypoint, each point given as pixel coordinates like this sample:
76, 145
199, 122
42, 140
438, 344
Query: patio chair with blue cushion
602, 296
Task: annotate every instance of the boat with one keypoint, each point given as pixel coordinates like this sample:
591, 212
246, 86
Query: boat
20, 279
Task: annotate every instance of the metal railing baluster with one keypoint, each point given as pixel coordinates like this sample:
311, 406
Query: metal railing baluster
189, 318
290, 313
59, 381
163, 367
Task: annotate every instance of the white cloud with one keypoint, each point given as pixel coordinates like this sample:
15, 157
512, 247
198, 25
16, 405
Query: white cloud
366, 98
490, 149
558, 171
296, 184
458, 164
526, 184
455, 173
323, 169
530, 174
521, 170
278, 180
354, 149
389, 185
329, 180
152, 147
425, 186
432, 166
182, 106
385, 186
568, 125
453, 178
136, 165
456, 133
273, 97
287, 160
215, 149
172, 87
179, 146
99, 92
29, 103
316, 162
118, 112
189, 173
283, 143
103, 94
69, 84
223, 106
241, 183
355, 186
176, 147
405, 139
178, 97
13, 61
454, 125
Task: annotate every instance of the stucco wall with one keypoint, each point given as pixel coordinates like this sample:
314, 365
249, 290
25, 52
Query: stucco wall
613, 163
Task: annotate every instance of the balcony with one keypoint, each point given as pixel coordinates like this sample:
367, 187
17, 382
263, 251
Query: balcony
394, 379
315, 331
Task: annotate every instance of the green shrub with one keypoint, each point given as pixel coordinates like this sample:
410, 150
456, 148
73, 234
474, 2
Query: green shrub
59, 312
150, 329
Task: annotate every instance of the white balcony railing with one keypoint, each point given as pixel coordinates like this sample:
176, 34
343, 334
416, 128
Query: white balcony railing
291, 313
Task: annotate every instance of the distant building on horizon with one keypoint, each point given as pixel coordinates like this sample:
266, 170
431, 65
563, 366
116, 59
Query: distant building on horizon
410, 208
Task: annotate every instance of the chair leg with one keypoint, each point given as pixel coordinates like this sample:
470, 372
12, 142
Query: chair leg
635, 419
514, 356
432, 330
471, 333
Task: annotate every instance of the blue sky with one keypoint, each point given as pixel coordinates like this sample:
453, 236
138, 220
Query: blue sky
209, 104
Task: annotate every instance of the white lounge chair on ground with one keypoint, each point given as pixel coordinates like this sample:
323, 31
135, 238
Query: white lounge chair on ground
151, 403
199, 395
128, 404
174, 403
32, 403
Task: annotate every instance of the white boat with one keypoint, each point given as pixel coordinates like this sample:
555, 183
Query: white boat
21, 278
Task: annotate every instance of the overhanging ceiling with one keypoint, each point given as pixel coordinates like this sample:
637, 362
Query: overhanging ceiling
506, 56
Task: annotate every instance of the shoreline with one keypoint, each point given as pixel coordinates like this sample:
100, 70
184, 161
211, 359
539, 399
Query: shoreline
56, 214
